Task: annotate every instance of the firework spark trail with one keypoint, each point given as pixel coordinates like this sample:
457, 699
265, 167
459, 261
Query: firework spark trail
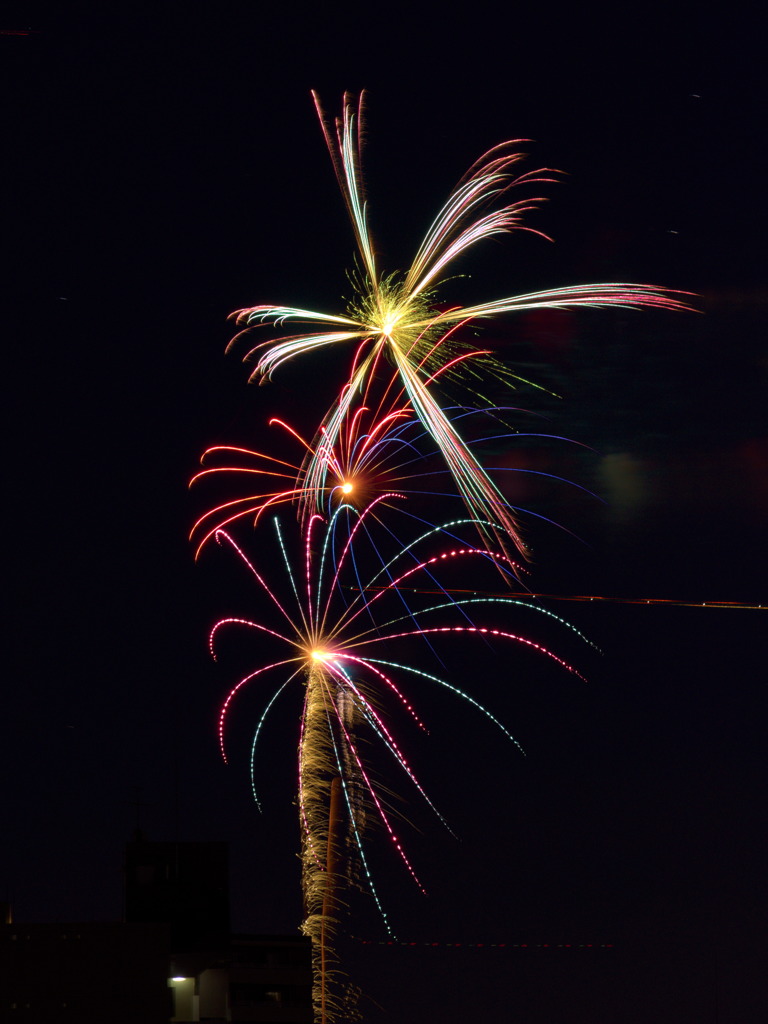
395, 314
255, 505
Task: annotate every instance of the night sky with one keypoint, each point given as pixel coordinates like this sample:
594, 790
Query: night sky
161, 171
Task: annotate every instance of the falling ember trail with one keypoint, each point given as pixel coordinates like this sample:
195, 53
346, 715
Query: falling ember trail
322, 842
332, 865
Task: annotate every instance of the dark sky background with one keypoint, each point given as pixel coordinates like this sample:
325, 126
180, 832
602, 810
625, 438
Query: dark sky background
162, 170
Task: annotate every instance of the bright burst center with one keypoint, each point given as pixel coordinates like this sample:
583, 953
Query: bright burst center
390, 312
346, 487
387, 322
320, 655
389, 309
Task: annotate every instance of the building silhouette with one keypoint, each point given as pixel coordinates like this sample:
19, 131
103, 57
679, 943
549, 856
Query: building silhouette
172, 959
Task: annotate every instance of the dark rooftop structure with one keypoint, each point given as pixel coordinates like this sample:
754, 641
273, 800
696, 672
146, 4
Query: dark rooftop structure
173, 958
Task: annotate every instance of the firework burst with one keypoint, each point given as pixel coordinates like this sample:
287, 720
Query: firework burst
372, 454
336, 629
396, 316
